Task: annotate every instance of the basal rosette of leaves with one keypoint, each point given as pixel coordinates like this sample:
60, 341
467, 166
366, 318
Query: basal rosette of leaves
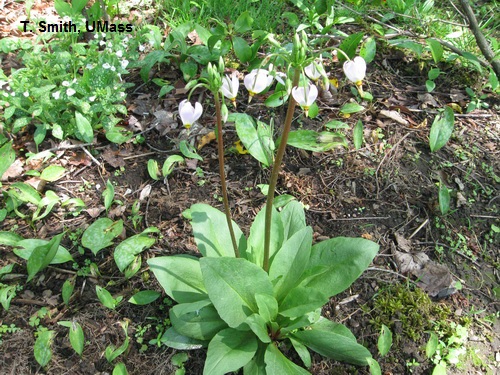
242, 313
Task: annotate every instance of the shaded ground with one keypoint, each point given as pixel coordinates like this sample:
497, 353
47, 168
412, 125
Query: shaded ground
384, 191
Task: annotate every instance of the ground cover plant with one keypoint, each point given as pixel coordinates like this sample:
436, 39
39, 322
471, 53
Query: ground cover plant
203, 188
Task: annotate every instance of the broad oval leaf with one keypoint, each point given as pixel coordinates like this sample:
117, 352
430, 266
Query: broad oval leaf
241, 49
358, 134
332, 340
247, 132
293, 218
174, 339
43, 347
26, 248
76, 337
144, 297
180, 277
258, 326
385, 340
229, 289
197, 320
255, 252
229, 350
311, 140
100, 234
85, 131
42, 256
211, 232
7, 156
126, 251
351, 108
277, 363
441, 129
52, 173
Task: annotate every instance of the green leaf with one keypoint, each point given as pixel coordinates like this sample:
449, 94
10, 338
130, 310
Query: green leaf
302, 351
243, 23
42, 348
247, 132
229, 350
25, 193
106, 298
293, 218
268, 306
444, 199
258, 326
168, 165
189, 69
108, 194
189, 151
368, 50
153, 169
358, 134
315, 141
440, 369
241, 49
255, 252
277, 363
432, 345
229, 289
336, 263
430, 85
111, 353
144, 297
7, 293
67, 290
120, 369
441, 129
76, 337
85, 131
290, 262
9, 238
197, 320
351, 108
334, 341
211, 232
52, 173
100, 234
277, 99
384, 341
433, 73
28, 246
42, 256
7, 157
374, 366
349, 46
436, 49
126, 251
174, 339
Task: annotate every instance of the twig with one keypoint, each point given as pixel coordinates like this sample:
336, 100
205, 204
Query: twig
91, 156
486, 216
418, 229
361, 218
68, 147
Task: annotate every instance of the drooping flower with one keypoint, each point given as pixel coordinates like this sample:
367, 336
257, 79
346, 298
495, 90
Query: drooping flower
230, 86
257, 81
312, 72
305, 96
188, 113
355, 70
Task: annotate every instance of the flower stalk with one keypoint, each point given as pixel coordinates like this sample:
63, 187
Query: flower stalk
222, 173
275, 172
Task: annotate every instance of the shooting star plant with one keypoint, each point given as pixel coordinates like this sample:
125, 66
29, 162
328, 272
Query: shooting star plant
355, 71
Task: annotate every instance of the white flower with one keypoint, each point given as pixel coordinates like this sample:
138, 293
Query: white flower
113, 69
124, 63
305, 96
102, 43
70, 92
122, 95
312, 72
89, 66
257, 81
119, 53
355, 70
26, 94
91, 98
56, 95
106, 66
230, 86
65, 83
188, 113
141, 47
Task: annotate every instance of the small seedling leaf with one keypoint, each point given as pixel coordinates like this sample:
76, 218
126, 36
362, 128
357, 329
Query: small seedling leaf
436, 49
126, 251
120, 369
106, 298
67, 290
384, 340
7, 157
189, 151
444, 199
42, 348
101, 233
441, 129
42, 256
368, 50
144, 297
374, 367
168, 166
85, 131
52, 173
109, 195
76, 337
432, 344
358, 134
351, 108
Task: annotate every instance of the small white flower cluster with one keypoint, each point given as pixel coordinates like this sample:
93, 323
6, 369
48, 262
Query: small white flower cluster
259, 80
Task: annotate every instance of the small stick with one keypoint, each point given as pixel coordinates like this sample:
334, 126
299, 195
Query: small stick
418, 229
362, 218
91, 156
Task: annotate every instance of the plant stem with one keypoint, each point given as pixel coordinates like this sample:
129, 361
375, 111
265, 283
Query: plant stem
222, 173
276, 169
